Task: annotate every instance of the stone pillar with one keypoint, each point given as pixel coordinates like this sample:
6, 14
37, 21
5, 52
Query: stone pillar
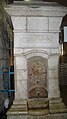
20, 68
55, 102
21, 78
54, 91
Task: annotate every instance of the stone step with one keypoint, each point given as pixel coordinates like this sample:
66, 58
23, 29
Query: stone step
48, 116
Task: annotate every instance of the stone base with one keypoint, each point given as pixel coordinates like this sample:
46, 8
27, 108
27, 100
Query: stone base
38, 109
38, 103
19, 107
57, 106
49, 116
38, 106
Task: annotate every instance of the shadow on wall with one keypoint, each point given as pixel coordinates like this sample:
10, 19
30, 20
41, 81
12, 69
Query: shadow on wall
63, 62
63, 78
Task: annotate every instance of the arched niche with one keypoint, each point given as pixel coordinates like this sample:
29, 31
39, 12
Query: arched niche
37, 77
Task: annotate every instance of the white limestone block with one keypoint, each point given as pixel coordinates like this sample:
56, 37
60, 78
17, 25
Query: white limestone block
36, 40
53, 62
21, 90
21, 74
53, 74
39, 24
19, 23
21, 62
55, 23
53, 90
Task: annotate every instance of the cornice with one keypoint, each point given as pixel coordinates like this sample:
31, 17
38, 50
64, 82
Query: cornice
46, 9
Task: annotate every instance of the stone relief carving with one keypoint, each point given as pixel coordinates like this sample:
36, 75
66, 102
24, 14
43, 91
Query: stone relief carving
37, 77
36, 40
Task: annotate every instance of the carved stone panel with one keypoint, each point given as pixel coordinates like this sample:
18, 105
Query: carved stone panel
37, 77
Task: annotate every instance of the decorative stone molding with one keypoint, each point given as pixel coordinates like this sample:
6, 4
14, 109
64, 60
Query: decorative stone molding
19, 107
48, 9
36, 40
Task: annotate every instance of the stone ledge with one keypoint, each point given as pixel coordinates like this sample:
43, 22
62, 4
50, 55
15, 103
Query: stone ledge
49, 116
39, 103
19, 107
38, 112
29, 10
57, 106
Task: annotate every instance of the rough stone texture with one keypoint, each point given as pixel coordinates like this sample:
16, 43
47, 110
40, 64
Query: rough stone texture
38, 103
19, 107
50, 116
54, 23
53, 82
56, 105
36, 40
21, 90
4, 56
21, 62
50, 9
17, 20
41, 24
21, 74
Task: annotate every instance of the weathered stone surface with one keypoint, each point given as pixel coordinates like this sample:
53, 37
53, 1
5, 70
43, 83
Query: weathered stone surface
53, 90
49, 116
30, 52
21, 74
21, 62
54, 23
21, 90
53, 74
37, 24
53, 86
53, 62
56, 105
40, 112
19, 22
35, 40
38, 103
19, 107
4, 55
50, 9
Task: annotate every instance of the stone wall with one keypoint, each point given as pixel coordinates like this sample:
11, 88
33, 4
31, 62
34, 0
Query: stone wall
4, 55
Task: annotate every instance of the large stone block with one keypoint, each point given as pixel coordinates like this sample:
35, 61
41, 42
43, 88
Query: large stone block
37, 24
53, 74
54, 23
53, 62
36, 40
21, 62
21, 90
21, 74
19, 23
56, 105
53, 90
49, 116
